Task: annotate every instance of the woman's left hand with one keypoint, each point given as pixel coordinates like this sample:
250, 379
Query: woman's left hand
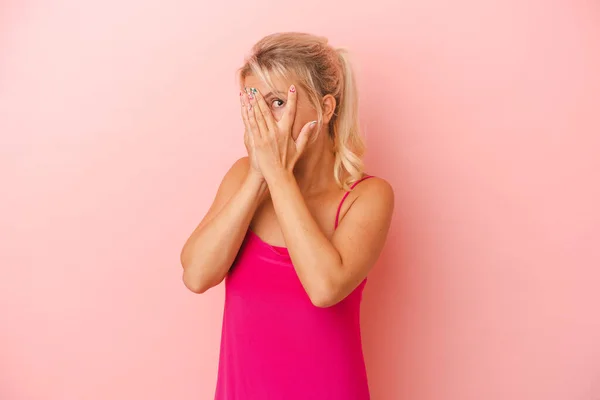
274, 148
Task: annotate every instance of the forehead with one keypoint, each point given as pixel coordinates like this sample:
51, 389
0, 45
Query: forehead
278, 82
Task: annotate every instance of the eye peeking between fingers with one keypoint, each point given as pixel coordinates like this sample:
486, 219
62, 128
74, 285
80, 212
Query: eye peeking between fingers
277, 103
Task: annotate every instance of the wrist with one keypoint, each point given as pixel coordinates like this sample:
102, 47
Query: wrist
278, 176
257, 183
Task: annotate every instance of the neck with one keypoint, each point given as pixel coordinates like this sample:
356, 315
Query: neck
314, 171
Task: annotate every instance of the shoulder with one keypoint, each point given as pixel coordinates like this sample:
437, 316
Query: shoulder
240, 166
235, 176
369, 209
374, 189
237, 172
373, 196
372, 199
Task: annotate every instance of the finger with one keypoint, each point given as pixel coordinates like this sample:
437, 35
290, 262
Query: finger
253, 126
244, 111
305, 133
242, 106
290, 110
265, 112
258, 115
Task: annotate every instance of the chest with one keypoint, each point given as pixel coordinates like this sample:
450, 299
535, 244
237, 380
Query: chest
323, 209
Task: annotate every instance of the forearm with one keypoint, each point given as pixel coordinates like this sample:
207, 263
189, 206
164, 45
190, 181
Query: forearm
212, 248
317, 262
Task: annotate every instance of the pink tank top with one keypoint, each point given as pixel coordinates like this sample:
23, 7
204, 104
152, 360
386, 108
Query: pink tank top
275, 344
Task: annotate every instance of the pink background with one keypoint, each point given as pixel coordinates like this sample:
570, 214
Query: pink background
119, 118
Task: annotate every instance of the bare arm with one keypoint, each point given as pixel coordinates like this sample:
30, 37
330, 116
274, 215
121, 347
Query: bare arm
330, 269
211, 249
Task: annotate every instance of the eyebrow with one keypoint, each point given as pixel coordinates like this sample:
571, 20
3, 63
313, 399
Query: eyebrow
275, 92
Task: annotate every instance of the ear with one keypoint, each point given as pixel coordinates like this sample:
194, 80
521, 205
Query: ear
329, 105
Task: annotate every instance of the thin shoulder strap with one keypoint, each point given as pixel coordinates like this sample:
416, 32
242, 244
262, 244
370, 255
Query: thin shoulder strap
337, 215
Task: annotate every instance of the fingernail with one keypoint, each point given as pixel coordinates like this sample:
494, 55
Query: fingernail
293, 89
313, 123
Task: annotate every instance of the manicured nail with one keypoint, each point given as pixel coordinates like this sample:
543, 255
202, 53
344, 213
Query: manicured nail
251, 93
293, 89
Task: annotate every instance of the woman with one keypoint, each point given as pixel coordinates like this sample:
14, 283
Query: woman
292, 230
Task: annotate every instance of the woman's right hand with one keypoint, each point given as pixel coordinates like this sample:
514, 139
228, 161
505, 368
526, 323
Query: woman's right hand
254, 167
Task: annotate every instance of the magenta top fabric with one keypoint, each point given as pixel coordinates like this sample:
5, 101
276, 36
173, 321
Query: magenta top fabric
276, 344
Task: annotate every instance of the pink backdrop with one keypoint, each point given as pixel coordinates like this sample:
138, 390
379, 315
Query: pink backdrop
118, 119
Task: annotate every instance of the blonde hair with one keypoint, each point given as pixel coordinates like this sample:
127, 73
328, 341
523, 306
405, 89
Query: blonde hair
320, 70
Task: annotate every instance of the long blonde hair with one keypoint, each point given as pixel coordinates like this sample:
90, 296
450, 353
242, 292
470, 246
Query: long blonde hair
320, 70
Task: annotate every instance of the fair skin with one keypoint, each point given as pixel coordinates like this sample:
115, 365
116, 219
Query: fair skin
285, 192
